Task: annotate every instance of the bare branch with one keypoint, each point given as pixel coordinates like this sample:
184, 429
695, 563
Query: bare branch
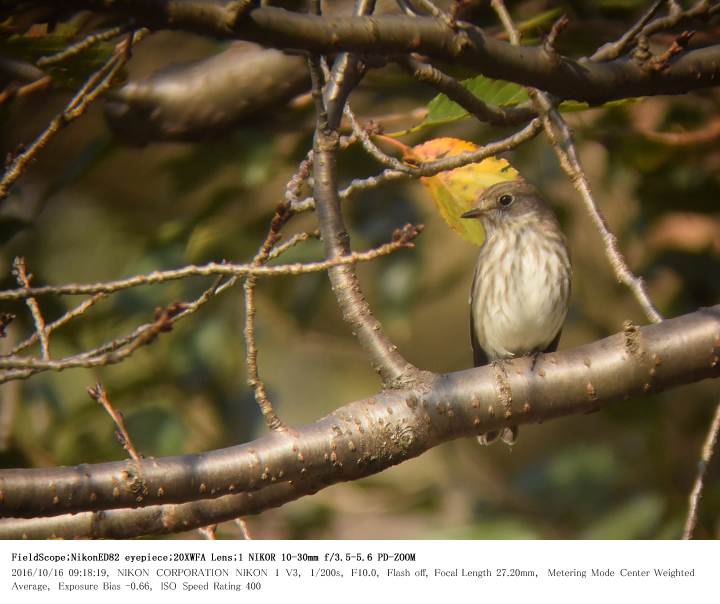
244, 529
282, 215
367, 436
23, 279
370, 147
99, 395
706, 134
612, 50
79, 310
393, 369
84, 44
457, 93
96, 84
706, 455
467, 45
531, 130
205, 270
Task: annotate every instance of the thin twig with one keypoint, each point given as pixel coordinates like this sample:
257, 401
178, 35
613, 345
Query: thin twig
95, 85
106, 353
23, 279
282, 215
437, 12
121, 348
532, 129
79, 310
292, 242
99, 394
12, 92
456, 92
109, 354
565, 149
209, 532
244, 530
701, 10
213, 268
708, 133
294, 185
80, 46
612, 50
706, 456
371, 148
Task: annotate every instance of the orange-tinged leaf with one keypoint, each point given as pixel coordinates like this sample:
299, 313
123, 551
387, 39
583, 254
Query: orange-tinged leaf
456, 191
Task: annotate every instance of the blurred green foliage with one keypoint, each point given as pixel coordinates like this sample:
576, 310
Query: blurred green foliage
90, 209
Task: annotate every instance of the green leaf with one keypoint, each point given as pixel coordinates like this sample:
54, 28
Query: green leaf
496, 93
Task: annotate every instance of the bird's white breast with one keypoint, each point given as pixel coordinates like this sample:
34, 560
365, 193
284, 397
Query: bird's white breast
521, 291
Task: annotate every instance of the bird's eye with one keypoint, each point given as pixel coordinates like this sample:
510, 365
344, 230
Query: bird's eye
505, 200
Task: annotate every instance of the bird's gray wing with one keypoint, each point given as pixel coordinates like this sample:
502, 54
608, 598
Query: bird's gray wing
552, 347
480, 357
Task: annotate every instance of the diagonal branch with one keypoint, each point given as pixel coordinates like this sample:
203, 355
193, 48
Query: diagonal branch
456, 92
393, 369
564, 148
96, 84
706, 455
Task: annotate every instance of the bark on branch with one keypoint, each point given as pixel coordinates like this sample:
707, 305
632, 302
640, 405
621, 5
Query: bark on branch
567, 78
367, 436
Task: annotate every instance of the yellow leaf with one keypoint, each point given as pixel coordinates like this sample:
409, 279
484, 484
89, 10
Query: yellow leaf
456, 191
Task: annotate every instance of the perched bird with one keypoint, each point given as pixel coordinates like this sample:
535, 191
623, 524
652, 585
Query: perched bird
520, 291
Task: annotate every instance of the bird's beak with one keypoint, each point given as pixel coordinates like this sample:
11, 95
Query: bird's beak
474, 213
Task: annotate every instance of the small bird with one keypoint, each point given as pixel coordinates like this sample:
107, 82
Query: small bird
521, 287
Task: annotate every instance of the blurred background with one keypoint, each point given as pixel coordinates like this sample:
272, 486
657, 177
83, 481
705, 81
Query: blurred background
98, 205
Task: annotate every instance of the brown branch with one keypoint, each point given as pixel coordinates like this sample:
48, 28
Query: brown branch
282, 215
23, 279
612, 50
204, 99
119, 349
359, 439
210, 269
706, 455
702, 10
153, 520
531, 130
99, 395
457, 93
95, 85
82, 45
12, 92
706, 134
244, 529
467, 45
394, 370
79, 310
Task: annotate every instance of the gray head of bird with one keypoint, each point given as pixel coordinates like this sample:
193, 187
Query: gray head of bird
515, 201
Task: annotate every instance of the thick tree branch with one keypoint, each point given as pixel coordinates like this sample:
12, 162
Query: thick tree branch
203, 99
565, 77
368, 436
